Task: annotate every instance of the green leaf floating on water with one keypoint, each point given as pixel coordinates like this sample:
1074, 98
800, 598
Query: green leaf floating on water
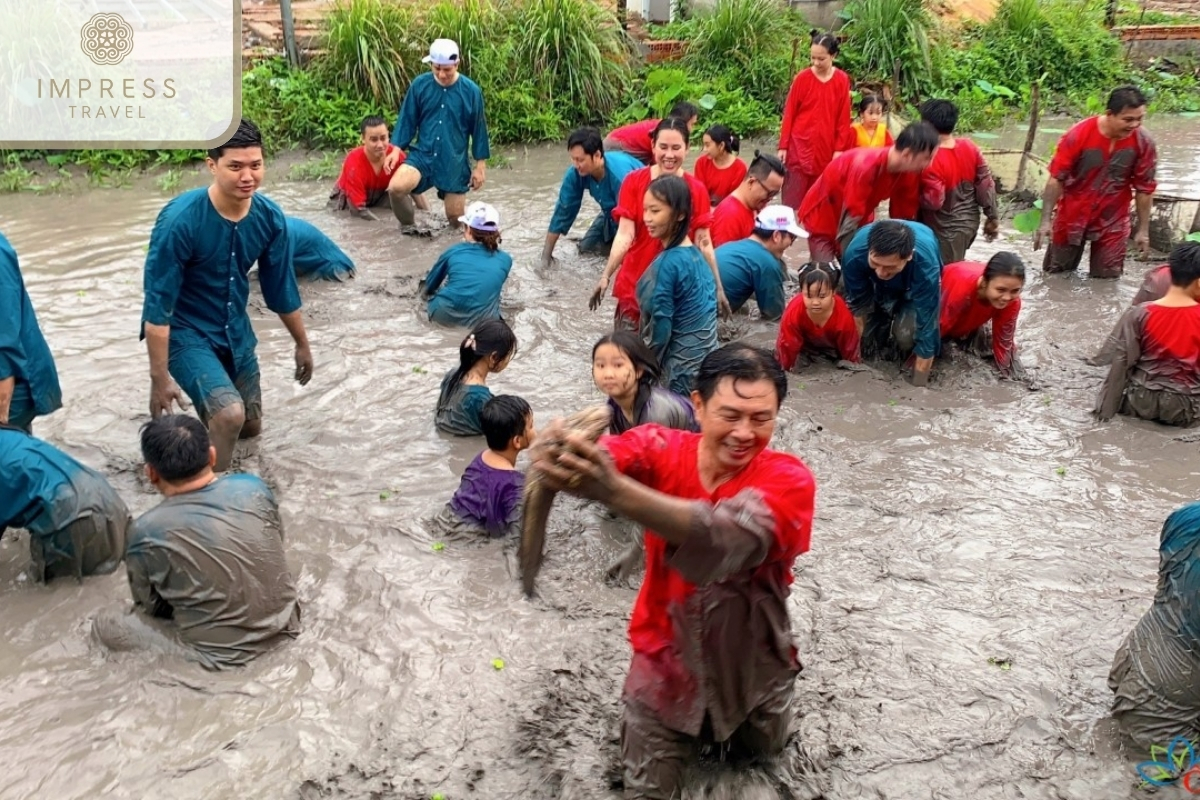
1002, 663
497, 664
439, 547
385, 494
1028, 221
1193, 237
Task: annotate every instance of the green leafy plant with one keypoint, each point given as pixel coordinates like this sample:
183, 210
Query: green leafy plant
884, 34
367, 48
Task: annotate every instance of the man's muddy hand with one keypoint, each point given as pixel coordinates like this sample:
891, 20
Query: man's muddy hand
164, 393
304, 364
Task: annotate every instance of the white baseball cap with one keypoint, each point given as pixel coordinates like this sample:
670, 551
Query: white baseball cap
442, 52
481, 217
780, 218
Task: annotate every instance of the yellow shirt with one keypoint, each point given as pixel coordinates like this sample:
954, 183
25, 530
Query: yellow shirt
867, 140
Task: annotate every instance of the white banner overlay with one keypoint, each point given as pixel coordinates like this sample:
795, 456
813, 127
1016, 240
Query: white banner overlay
119, 73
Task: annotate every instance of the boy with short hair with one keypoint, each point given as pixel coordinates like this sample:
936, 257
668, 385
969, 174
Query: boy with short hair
367, 171
489, 496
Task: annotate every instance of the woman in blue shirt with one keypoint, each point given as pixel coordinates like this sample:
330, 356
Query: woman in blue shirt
463, 288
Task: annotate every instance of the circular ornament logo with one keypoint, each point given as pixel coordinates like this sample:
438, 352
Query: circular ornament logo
106, 39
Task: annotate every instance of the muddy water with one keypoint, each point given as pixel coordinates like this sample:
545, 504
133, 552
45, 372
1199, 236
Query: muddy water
972, 521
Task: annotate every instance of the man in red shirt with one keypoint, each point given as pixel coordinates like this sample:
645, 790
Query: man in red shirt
367, 170
844, 198
956, 186
733, 218
636, 139
1097, 168
725, 519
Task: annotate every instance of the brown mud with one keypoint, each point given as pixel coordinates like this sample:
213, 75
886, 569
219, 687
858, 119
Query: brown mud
959, 528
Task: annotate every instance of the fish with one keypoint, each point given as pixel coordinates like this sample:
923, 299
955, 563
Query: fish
592, 422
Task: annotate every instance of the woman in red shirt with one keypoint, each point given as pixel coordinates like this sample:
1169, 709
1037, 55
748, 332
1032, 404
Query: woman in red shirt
817, 321
719, 168
816, 119
634, 248
974, 294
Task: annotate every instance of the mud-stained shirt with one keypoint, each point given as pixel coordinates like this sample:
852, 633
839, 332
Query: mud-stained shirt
464, 284
196, 275
678, 301
604, 191
721, 181
1099, 176
1156, 348
838, 337
443, 120
212, 560
645, 247
748, 269
1155, 284
314, 255
954, 188
846, 195
732, 221
816, 121
489, 498
24, 355
458, 407
710, 629
656, 405
358, 184
963, 312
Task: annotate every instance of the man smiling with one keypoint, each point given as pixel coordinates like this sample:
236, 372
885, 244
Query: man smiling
725, 517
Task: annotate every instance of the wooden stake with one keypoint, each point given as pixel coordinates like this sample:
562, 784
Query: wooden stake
289, 32
1030, 136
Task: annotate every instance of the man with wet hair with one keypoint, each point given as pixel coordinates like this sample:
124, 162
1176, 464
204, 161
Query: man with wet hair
637, 140
1099, 166
733, 218
443, 111
956, 186
1155, 369
77, 522
891, 279
194, 319
367, 171
28, 378
725, 518
600, 175
845, 196
209, 558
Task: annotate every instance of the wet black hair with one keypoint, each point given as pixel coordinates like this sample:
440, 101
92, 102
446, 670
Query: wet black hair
919, 137
764, 165
491, 337
868, 100
826, 40
677, 195
672, 124
721, 134
371, 122
589, 139
1124, 97
941, 114
741, 362
684, 110
246, 135
1004, 264
891, 237
502, 418
636, 351
818, 273
176, 445
1184, 263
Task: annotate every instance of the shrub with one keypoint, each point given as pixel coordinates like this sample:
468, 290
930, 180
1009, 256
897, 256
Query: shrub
881, 34
366, 50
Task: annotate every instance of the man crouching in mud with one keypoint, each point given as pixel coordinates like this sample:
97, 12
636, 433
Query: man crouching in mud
725, 517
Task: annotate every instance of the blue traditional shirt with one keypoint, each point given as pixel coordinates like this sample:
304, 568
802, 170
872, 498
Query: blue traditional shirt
678, 300
748, 269
196, 271
314, 255
464, 284
919, 283
458, 408
570, 195
442, 119
24, 354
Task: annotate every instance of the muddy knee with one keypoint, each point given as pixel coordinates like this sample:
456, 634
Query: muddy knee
456, 206
250, 429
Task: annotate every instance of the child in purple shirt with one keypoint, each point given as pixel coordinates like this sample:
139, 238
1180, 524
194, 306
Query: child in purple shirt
489, 496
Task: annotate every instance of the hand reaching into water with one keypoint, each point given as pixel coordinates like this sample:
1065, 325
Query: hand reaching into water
598, 293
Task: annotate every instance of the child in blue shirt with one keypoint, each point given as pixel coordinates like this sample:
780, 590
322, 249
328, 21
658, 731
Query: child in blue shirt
488, 348
463, 287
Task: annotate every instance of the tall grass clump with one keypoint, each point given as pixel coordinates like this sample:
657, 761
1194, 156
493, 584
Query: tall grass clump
736, 30
581, 57
882, 33
367, 49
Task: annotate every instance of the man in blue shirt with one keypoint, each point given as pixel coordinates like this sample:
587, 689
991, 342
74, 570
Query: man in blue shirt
443, 111
598, 174
28, 379
892, 279
314, 255
194, 316
76, 521
753, 267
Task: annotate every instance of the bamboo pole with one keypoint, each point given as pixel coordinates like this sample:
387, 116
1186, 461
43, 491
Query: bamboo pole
289, 32
1034, 92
